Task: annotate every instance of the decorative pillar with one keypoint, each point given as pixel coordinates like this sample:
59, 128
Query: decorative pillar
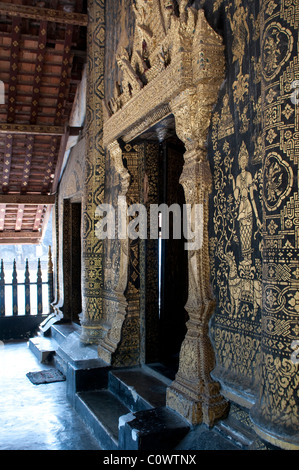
92, 247
194, 394
276, 412
116, 256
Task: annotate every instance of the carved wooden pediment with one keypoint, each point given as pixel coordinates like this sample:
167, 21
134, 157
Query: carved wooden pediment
172, 51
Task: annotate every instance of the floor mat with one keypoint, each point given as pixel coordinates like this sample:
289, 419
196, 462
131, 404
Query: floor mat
45, 376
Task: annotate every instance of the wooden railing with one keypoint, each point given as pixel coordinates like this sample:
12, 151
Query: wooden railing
15, 284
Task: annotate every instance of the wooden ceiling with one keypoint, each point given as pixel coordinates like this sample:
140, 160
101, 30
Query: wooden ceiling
42, 55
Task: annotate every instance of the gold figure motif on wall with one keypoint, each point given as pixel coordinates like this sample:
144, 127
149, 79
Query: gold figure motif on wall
226, 124
243, 192
240, 32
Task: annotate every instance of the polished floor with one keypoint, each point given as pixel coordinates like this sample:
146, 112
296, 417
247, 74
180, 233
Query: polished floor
35, 417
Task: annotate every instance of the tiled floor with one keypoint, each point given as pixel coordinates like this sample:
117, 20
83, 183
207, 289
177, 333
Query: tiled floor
35, 417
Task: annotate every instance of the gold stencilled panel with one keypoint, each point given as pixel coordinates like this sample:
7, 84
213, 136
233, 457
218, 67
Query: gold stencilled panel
94, 177
236, 203
253, 150
278, 405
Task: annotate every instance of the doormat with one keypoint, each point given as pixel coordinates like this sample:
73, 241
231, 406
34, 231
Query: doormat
45, 376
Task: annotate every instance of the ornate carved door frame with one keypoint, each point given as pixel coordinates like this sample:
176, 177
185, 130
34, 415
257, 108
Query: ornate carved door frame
183, 80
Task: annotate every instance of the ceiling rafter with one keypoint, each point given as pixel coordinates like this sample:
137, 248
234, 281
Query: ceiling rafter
43, 14
27, 163
38, 218
63, 86
38, 74
7, 162
14, 62
2, 216
28, 199
50, 167
19, 219
31, 129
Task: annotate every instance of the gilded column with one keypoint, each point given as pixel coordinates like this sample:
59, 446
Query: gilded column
194, 394
92, 247
276, 412
116, 256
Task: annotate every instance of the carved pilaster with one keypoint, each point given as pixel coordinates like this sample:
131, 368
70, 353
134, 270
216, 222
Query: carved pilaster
116, 258
94, 176
193, 393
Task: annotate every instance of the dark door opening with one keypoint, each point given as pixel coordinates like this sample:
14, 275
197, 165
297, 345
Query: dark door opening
163, 262
173, 261
72, 305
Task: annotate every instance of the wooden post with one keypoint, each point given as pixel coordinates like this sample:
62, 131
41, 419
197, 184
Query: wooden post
27, 289
2, 290
14, 290
39, 289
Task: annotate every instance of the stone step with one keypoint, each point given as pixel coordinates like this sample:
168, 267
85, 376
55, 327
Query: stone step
158, 429
43, 348
101, 411
138, 389
237, 428
60, 331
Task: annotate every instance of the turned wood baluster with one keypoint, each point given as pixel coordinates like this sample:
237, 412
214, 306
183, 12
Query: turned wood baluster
14, 289
39, 289
27, 289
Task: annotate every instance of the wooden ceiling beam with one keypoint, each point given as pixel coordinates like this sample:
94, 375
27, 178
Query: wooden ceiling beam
50, 166
66, 62
27, 129
38, 74
43, 14
13, 74
7, 162
38, 218
28, 199
19, 218
30, 129
21, 238
2, 216
27, 163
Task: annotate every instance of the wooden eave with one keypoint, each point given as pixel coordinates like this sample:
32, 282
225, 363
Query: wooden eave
42, 54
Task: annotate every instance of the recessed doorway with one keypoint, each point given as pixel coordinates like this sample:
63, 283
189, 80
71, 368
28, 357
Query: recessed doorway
164, 267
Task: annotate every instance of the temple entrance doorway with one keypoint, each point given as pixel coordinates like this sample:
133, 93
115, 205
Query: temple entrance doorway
163, 261
72, 306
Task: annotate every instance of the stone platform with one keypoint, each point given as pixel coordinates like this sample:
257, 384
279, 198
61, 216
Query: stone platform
125, 408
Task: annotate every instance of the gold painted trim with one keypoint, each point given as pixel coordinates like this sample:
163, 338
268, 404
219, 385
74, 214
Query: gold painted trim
274, 440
